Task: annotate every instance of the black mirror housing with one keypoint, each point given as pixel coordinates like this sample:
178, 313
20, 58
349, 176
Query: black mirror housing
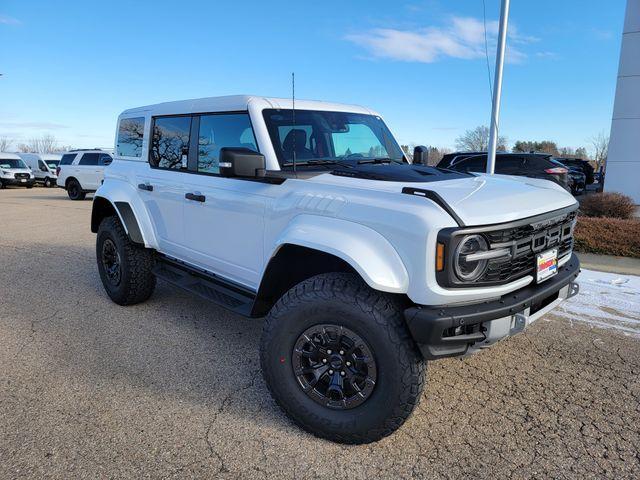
421, 155
241, 162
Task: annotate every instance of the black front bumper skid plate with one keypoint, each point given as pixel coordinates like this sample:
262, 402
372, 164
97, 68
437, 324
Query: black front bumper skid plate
428, 324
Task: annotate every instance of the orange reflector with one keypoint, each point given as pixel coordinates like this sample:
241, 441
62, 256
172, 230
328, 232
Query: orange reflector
440, 257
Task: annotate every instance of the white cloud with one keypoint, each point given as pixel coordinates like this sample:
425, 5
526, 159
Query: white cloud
462, 38
7, 20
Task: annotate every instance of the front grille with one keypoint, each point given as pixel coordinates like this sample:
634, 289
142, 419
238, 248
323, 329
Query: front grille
20, 176
525, 242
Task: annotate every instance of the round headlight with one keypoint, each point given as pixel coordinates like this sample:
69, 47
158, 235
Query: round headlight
467, 268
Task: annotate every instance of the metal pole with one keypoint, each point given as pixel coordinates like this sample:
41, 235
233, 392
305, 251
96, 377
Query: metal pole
497, 88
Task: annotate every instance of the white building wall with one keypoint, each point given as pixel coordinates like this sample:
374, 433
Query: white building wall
623, 160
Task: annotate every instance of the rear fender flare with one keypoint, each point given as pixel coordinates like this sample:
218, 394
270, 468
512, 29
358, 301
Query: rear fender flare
131, 211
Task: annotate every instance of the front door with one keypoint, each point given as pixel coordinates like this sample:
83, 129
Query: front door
224, 217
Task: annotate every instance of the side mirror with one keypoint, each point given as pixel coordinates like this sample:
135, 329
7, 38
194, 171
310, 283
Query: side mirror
421, 155
107, 161
241, 162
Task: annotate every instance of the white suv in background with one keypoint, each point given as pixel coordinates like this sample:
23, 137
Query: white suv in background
82, 171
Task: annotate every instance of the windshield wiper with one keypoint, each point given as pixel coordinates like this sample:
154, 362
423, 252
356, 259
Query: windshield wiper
317, 161
377, 160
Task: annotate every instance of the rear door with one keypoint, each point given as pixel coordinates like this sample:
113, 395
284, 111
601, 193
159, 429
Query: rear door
88, 172
161, 184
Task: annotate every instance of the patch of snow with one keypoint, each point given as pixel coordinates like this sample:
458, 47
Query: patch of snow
605, 300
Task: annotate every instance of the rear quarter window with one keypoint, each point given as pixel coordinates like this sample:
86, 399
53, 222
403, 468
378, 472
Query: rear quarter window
130, 136
539, 163
67, 159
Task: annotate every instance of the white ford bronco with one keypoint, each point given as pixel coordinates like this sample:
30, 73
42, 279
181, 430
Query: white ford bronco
364, 264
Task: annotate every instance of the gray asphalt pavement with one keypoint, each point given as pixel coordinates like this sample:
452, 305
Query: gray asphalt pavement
172, 388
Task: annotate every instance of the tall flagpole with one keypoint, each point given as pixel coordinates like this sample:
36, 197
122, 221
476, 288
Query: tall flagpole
497, 88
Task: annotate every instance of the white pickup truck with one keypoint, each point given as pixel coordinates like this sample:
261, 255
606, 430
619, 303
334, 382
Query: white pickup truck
364, 265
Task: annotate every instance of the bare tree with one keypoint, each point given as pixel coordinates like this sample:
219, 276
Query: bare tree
46, 143
600, 146
5, 143
477, 140
436, 154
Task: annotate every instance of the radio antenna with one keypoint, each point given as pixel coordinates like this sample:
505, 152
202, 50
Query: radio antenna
293, 114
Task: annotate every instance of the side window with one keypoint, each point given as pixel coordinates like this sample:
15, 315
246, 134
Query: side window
89, 159
105, 159
509, 165
130, 136
67, 159
170, 142
472, 164
42, 166
223, 130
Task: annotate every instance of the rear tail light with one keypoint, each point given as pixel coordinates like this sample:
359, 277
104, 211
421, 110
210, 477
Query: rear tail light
556, 170
57, 171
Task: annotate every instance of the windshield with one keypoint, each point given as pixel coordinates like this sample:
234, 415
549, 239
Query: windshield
52, 164
11, 163
331, 137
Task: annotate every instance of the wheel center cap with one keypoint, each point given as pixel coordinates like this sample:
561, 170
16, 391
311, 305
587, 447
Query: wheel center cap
335, 361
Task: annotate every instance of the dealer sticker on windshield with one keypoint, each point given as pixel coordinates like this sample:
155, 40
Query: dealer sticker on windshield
547, 264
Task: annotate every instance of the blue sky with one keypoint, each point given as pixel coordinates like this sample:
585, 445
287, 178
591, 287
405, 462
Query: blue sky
70, 67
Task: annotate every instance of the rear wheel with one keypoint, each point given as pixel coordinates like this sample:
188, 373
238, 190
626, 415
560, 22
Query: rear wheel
74, 190
338, 359
125, 268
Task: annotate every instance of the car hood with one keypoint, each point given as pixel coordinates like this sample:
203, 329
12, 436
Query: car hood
17, 170
477, 199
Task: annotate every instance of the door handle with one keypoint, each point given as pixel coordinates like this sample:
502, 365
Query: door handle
145, 186
195, 197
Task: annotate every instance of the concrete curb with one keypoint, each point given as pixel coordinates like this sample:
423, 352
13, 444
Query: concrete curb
610, 263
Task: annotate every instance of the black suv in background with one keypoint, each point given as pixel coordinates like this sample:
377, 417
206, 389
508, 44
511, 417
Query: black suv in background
534, 165
579, 164
577, 179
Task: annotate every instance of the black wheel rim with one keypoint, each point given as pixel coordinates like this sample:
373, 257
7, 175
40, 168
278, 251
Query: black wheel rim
111, 262
334, 366
73, 190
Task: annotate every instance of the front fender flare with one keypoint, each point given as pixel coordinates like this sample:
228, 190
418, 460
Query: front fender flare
368, 252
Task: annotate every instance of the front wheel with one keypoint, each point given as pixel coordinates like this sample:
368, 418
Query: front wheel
47, 182
125, 268
338, 359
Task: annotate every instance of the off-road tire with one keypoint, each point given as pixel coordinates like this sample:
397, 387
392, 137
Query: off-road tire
74, 190
345, 300
137, 282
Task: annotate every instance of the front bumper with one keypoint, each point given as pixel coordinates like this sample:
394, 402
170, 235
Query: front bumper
451, 331
29, 182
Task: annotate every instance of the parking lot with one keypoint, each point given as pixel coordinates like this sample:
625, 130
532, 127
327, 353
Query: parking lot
172, 388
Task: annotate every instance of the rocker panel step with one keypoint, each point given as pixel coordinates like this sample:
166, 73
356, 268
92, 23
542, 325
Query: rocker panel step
205, 285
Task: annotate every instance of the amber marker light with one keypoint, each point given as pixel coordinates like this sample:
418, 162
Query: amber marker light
440, 257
